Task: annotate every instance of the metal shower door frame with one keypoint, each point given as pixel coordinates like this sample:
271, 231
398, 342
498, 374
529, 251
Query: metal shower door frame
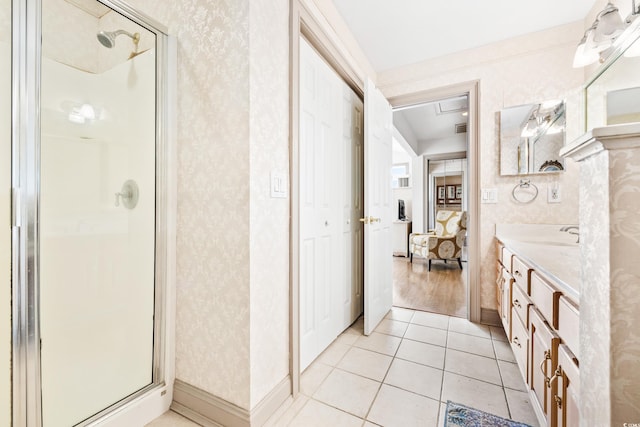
26, 33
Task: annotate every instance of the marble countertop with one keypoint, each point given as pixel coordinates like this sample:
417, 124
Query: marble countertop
552, 253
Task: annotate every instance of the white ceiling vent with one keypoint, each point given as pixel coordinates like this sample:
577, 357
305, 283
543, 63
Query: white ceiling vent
461, 128
452, 105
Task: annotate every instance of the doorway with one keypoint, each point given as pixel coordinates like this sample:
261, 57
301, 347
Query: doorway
435, 135
444, 177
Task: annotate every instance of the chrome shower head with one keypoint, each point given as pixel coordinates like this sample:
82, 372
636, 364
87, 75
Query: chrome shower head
108, 38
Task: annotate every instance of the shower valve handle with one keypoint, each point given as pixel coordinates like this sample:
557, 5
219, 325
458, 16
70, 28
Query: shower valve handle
124, 196
129, 194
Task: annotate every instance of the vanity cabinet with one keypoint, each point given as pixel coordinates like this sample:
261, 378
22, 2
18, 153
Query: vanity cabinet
567, 381
504, 288
542, 326
544, 358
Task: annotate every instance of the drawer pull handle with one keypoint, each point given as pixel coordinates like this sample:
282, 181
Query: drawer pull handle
516, 341
556, 374
517, 303
558, 401
543, 367
517, 273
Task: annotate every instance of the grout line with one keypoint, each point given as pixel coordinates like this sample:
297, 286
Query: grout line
444, 365
504, 392
413, 392
295, 414
335, 407
333, 368
473, 354
425, 342
476, 379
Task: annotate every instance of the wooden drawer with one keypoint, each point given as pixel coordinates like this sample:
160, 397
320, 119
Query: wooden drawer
567, 388
519, 344
520, 304
507, 256
569, 325
499, 247
545, 297
521, 272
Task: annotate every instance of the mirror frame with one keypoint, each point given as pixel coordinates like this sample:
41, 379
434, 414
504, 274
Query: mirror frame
620, 45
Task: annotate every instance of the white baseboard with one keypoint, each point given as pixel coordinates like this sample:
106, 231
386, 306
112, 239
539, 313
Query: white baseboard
140, 411
211, 411
490, 317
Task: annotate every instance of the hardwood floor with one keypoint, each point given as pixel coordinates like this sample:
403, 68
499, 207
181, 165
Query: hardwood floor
441, 290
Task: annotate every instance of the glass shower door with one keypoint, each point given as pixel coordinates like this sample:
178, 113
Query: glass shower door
97, 209
5, 212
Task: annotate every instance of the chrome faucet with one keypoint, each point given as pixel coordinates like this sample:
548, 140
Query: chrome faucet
572, 229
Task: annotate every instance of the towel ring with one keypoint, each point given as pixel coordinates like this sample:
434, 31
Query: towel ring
525, 191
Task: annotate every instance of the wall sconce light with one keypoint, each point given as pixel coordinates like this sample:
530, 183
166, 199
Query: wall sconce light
600, 36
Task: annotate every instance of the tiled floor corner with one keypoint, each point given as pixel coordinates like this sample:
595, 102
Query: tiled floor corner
403, 374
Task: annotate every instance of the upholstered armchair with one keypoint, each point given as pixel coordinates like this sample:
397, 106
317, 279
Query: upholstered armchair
445, 242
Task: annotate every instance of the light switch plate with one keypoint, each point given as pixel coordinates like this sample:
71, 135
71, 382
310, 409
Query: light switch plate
489, 195
278, 185
553, 195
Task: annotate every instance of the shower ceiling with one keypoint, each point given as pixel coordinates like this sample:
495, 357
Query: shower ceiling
91, 7
402, 32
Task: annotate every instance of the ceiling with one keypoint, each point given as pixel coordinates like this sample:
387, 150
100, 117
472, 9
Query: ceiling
402, 32
436, 120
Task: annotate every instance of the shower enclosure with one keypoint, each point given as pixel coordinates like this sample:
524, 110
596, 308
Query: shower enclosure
92, 214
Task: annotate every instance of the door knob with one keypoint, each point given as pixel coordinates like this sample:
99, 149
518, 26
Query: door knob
369, 219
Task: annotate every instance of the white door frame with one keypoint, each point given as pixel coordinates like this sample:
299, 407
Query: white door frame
306, 21
472, 89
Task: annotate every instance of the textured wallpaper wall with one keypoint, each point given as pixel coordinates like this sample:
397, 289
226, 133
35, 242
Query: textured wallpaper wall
609, 337
624, 184
518, 71
269, 217
233, 242
212, 295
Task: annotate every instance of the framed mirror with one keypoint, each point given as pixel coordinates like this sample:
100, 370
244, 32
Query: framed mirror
531, 137
612, 94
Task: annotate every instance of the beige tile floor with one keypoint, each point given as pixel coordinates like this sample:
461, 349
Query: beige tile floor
403, 374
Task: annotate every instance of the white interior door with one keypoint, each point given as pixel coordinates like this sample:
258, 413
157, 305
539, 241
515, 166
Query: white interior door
351, 290
378, 292
320, 131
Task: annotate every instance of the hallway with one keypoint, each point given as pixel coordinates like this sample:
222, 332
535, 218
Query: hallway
403, 374
441, 290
